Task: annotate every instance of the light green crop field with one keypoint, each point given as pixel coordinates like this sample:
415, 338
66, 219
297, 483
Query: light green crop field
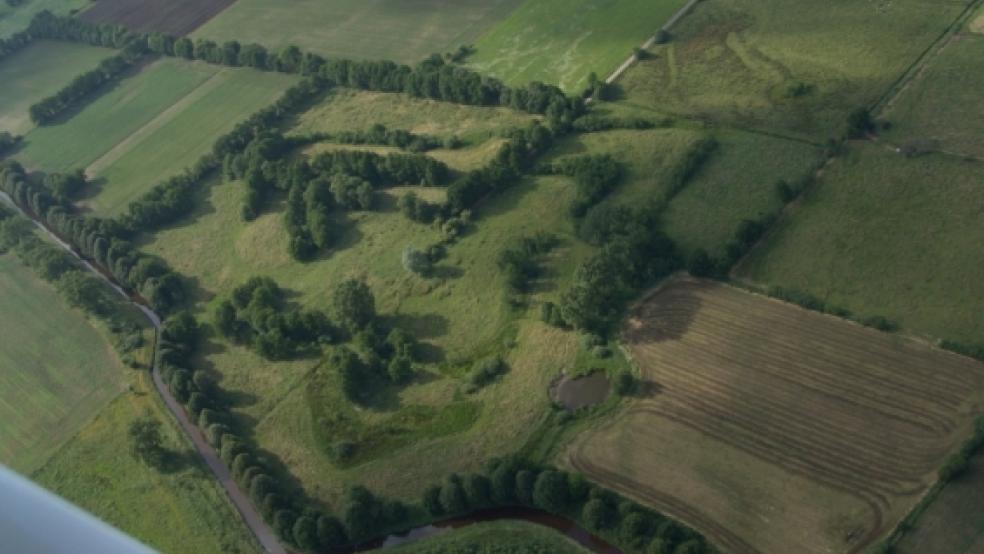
649, 157
881, 234
115, 115
495, 537
737, 182
174, 512
351, 110
13, 20
942, 108
182, 133
56, 370
395, 30
37, 71
793, 67
562, 42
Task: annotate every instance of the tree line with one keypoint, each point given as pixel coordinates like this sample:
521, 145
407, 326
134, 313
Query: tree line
7, 142
595, 176
380, 135
101, 240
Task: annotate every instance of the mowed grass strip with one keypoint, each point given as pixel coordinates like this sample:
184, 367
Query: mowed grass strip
56, 371
178, 511
882, 234
942, 108
174, 17
345, 110
562, 42
784, 430
14, 19
112, 117
779, 65
395, 30
737, 182
180, 135
37, 71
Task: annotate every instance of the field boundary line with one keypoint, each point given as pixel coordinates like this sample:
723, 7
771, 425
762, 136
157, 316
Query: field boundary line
171, 113
651, 41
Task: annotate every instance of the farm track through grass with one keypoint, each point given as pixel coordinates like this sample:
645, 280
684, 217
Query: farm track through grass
36, 72
397, 30
857, 413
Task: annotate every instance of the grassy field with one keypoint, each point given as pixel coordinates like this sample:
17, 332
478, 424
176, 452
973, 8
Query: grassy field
13, 20
885, 235
38, 71
562, 42
376, 29
175, 17
942, 108
56, 370
174, 512
351, 110
783, 430
783, 66
496, 537
114, 116
952, 523
179, 135
737, 182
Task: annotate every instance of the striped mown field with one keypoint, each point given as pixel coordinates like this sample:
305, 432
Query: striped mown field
774, 429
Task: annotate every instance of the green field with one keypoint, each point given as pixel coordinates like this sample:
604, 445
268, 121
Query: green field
37, 71
881, 234
942, 108
174, 512
952, 523
112, 117
737, 182
562, 42
798, 68
351, 110
56, 370
13, 20
178, 136
376, 29
501, 537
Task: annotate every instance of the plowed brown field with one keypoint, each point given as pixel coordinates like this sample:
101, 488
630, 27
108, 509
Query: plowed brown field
774, 429
176, 17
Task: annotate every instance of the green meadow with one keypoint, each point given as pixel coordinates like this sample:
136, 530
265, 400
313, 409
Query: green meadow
489, 538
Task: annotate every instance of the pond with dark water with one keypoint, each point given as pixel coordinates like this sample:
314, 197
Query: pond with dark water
575, 393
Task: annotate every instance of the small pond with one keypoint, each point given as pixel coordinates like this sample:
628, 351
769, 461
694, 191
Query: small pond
575, 393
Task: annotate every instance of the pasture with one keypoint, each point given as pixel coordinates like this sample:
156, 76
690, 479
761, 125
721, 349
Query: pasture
952, 522
774, 429
56, 370
174, 17
882, 234
395, 30
738, 181
352, 110
179, 135
942, 108
562, 42
37, 71
116, 114
16, 19
508, 536
795, 69
178, 511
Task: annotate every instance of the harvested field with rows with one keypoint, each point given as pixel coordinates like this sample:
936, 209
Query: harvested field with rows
175, 17
774, 429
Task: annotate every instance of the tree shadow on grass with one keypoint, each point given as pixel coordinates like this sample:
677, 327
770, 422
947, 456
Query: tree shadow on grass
421, 326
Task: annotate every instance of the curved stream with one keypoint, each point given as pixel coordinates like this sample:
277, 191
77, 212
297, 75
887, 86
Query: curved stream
266, 537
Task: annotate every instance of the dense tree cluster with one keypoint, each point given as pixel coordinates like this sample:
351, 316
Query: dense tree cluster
593, 123
380, 135
520, 261
258, 314
100, 240
511, 482
634, 254
595, 176
146, 442
8, 142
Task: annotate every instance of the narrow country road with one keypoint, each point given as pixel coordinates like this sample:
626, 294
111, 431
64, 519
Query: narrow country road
240, 500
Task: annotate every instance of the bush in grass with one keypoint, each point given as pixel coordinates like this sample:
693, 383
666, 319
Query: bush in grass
485, 371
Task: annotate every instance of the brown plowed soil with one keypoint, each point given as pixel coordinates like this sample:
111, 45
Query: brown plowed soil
175, 17
774, 429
